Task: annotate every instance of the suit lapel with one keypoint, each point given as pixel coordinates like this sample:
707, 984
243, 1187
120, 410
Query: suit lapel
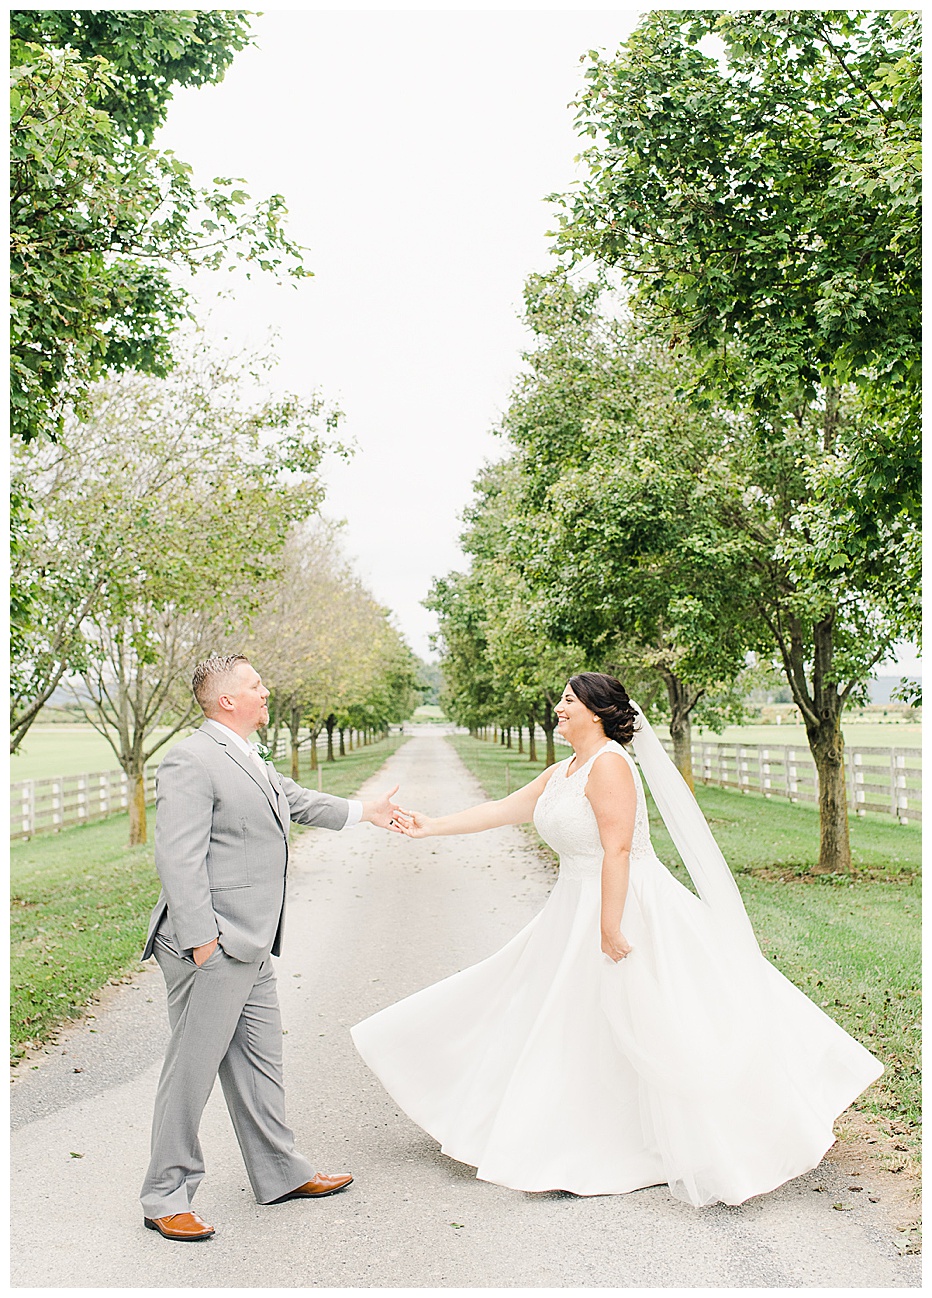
271, 791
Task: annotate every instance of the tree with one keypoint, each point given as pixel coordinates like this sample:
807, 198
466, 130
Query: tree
97, 224
468, 695
499, 665
148, 52
326, 649
175, 489
620, 538
772, 196
101, 223
429, 682
765, 208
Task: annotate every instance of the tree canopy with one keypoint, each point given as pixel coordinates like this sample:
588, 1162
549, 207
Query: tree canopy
763, 190
754, 180
100, 221
149, 53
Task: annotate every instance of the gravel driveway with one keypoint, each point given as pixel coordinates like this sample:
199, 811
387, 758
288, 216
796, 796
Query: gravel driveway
371, 918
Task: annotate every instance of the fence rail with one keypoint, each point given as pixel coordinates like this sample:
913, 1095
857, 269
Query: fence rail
40, 805
886, 780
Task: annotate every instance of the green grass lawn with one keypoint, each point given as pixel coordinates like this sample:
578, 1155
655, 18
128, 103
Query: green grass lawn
80, 900
852, 945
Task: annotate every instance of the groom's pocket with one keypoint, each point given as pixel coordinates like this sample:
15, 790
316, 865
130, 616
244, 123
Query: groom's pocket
229, 868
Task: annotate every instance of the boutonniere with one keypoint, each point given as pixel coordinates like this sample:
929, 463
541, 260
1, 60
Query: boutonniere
264, 751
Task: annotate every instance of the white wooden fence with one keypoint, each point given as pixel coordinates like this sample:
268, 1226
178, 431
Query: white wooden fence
37, 806
887, 780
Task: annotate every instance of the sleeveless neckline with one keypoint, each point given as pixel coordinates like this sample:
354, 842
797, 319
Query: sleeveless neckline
587, 762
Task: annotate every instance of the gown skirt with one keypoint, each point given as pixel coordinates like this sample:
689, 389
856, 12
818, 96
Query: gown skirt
549, 1067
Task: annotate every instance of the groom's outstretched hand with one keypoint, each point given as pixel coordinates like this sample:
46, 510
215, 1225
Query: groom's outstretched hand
382, 812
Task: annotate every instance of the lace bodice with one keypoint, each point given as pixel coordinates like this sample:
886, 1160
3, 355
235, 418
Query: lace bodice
565, 820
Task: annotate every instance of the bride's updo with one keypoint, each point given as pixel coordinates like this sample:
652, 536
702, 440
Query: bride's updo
608, 699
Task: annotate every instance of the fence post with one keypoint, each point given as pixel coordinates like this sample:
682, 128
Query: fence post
893, 782
858, 781
899, 783
58, 798
28, 806
792, 775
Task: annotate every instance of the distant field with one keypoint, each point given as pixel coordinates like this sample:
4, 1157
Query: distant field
49, 751
859, 734
71, 749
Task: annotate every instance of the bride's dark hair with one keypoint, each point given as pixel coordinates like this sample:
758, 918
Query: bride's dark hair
608, 699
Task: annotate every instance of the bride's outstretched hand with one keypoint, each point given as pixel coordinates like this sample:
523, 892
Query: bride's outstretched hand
413, 823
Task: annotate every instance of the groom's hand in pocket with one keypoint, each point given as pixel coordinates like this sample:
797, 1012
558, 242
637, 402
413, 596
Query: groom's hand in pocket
201, 953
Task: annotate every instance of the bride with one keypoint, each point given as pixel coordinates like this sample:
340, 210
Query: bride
632, 1034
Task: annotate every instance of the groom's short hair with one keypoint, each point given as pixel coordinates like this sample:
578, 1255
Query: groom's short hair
211, 676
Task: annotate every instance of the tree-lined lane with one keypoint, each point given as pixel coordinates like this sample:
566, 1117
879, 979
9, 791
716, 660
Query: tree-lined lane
372, 918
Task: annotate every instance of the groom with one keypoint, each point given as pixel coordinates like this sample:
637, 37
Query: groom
221, 850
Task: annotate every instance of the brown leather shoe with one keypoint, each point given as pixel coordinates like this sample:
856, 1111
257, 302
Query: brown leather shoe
180, 1225
319, 1188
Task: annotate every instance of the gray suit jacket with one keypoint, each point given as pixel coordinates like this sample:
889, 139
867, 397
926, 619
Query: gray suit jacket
221, 846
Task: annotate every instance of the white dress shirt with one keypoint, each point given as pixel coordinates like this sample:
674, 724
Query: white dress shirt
252, 752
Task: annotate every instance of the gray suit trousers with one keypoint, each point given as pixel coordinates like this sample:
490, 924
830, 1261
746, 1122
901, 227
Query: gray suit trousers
225, 1021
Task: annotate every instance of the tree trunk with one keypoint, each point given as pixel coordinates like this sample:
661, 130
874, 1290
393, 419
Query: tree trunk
330, 723
293, 729
549, 725
532, 738
682, 699
502, 737
821, 708
276, 729
508, 744
137, 809
520, 740
681, 732
342, 742
827, 744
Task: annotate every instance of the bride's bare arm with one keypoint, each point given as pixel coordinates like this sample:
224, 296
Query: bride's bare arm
612, 796
513, 810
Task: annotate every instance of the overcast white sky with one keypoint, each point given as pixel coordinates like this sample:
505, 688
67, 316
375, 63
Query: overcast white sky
414, 149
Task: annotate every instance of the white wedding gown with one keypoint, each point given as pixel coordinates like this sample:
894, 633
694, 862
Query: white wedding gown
548, 1067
